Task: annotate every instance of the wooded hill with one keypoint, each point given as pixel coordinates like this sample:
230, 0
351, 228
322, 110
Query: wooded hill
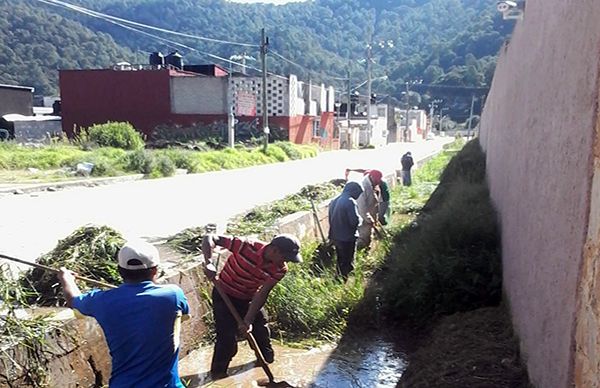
447, 42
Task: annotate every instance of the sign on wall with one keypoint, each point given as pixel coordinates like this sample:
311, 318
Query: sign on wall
245, 104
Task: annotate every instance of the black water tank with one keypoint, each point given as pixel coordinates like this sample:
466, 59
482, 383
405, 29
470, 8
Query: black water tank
157, 59
174, 59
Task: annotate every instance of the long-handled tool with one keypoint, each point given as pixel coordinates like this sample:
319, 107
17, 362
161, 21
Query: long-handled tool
325, 250
316, 215
50, 269
249, 336
251, 340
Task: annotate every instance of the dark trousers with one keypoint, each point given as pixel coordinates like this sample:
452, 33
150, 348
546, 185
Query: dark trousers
345, 251
227, 329
406, 178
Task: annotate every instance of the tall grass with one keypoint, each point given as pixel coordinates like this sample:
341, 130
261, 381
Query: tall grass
110, 161
448, 260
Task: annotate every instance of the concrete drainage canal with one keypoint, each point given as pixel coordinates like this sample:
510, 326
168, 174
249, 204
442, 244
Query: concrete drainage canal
359, 360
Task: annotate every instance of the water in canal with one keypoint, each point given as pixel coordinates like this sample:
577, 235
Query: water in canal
369, 361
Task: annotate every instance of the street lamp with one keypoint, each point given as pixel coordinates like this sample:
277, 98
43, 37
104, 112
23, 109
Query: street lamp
382, 44
442, 118
432, 106
407, 94
240, 57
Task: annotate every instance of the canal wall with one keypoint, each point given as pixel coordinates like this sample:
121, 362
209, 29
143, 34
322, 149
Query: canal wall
540, 132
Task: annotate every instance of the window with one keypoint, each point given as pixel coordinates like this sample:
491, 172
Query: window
315, 130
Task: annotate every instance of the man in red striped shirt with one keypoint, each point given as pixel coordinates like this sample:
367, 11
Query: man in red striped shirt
249, 274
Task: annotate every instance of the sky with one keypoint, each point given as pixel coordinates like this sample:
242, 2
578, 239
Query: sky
267, 1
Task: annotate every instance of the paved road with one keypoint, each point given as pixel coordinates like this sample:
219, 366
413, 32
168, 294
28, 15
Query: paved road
32, 224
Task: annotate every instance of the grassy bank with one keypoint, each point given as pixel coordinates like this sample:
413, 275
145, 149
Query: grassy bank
58, 161
448, 259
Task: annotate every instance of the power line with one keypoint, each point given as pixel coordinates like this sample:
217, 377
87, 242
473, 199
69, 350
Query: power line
110, 20
305, 68
93, 13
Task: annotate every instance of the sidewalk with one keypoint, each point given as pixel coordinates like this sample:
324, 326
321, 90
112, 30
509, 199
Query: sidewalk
22, 188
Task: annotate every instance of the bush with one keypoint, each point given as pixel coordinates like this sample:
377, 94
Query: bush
140, 161
118, 135
273, 151
165, 166
290, 149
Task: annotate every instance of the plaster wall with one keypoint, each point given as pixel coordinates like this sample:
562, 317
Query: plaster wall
199, 95
538, 131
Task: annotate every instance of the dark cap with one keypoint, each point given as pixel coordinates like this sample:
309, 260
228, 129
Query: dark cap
289, 246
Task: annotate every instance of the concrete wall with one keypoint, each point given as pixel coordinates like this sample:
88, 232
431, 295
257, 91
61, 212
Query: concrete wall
199, 95
37, 131
538, 129
17, 100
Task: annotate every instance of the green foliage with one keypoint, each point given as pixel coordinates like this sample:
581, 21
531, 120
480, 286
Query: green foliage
14, 156
164, 166
141, 161
276, 153
29, 333
306, 305
448, 260
90, 251
449, 42
261, 219
37, 40
115, 134
110, 161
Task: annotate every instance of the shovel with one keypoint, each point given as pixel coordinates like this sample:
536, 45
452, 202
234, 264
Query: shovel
252, 342
54, 270
325, 249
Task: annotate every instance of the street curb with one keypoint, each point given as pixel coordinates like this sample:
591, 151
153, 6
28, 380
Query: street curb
25, 188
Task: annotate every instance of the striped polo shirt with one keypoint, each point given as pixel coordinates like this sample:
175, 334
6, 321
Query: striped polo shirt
244, 272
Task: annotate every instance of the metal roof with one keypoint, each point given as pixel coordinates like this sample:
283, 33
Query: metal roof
17, 87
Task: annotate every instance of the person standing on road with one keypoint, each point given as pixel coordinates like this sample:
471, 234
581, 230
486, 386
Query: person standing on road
407, 163
140, 319
249, 274
344, 221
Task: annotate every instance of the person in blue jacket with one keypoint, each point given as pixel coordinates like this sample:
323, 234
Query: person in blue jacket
344, 221
140, 319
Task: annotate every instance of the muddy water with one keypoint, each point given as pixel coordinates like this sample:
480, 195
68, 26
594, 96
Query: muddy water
371, 361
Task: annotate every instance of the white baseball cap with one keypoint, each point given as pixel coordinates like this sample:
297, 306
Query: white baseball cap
138, 254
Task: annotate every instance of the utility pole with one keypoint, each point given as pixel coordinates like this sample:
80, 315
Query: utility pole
471, 115
348, 107
431, 107
264, 42
369, 92
230, 117
407, 129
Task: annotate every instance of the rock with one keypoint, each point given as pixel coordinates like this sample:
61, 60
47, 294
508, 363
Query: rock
32, 170
51, 188
18, 191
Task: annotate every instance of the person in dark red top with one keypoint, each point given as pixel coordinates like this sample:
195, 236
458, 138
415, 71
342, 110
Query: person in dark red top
250, 273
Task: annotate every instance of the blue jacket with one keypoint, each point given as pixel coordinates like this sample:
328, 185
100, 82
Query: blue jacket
343, 214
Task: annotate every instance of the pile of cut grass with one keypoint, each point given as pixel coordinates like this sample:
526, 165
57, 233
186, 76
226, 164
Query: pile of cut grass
261, 219
90, 251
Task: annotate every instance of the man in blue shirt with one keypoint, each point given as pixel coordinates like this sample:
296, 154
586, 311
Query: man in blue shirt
140, 319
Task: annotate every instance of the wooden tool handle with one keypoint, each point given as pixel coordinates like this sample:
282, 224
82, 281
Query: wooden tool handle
54, 270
